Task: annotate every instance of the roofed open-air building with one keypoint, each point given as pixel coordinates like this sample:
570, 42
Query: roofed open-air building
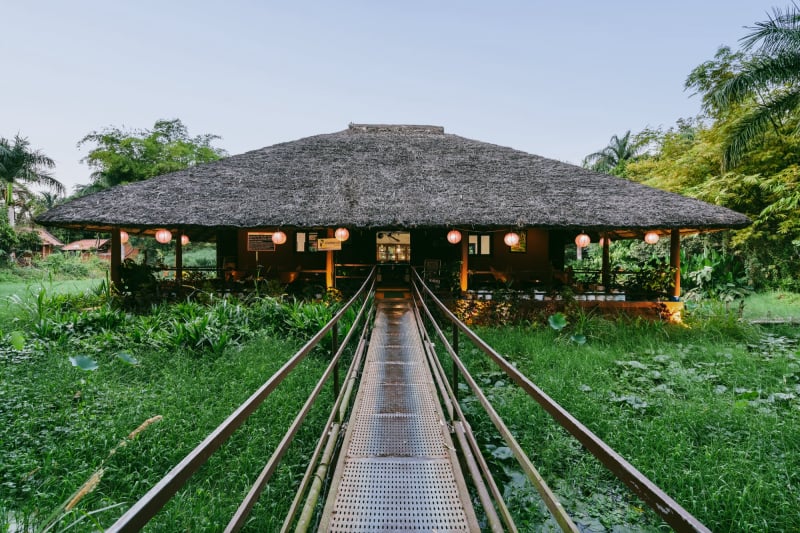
405, 195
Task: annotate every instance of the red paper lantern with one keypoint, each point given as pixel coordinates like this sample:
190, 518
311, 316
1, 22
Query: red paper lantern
582, 240
651, 237
279, 237
454, 236
511, 239
341, 234
163, 236
184, 240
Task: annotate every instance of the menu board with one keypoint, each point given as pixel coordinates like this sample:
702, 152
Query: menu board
260, 242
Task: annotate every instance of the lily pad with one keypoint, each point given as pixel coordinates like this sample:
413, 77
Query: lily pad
84, 362
557, 321
17, 339
577, 338
127, 358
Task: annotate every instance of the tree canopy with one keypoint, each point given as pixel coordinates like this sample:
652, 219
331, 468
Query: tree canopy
743, 151
760, 85
20, 166
120, 156
614, 157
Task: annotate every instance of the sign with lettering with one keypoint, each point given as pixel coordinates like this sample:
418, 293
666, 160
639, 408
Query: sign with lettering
329, 244
260, 242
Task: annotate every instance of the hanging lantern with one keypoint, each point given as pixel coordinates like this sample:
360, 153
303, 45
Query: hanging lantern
341, 234
651, 237
582, 240
184, 240
602, 241
163, 236
123, 237
511, 238
279, 237
454, 236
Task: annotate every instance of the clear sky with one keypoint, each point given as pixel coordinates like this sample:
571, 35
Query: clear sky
553, 78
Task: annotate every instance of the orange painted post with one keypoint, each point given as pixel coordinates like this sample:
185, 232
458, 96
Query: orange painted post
464, 262
116, 258
675, 262
329, 265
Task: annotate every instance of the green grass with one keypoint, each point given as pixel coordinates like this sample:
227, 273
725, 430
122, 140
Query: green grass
28, 291
193, 365
710, 413
776, 304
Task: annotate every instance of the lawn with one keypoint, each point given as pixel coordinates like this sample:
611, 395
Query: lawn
772, 305
185, 367
709, 411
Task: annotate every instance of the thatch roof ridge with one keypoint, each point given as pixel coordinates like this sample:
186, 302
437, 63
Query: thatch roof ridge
385, 175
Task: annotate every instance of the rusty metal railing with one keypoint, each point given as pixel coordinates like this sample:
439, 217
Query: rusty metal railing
655, 498
143, 510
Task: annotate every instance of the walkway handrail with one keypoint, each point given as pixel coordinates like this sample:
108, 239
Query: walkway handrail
548, 497
144, 509
655, 498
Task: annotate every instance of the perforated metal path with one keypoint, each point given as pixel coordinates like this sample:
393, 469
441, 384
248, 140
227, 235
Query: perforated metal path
398, 470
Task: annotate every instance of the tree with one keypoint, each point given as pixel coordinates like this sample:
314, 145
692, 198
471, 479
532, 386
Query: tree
123, 156
613, 158
766, 84
20, 165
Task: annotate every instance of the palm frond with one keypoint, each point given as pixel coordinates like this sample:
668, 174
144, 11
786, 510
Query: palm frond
780, 32
753, 124
761, 73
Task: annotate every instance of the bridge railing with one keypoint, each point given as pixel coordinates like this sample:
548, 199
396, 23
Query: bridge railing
655, 498
143, 510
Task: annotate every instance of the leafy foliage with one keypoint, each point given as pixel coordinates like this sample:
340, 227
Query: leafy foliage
121, 156
20, 165
615, 156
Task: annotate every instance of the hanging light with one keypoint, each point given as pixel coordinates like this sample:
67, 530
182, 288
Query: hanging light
341, 234
454, 236
582, 240
123, 236
279, 237
511, 238
184, 240
651, 237
602, 241
163, 236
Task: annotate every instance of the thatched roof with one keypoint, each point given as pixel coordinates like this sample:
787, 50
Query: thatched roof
85, 245
45, 236
389, 176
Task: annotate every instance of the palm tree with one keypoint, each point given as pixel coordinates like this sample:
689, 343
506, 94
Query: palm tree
613, 157
769, 82
20, 165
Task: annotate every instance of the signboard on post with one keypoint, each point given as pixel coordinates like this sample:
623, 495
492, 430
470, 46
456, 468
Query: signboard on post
323, 245
260, 242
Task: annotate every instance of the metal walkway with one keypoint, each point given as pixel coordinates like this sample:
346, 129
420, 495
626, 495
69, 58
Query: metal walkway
398, 470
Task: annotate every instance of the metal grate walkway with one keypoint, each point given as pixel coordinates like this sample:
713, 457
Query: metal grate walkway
398, 469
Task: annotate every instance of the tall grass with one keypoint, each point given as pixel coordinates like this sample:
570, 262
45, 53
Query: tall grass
710, 413
190, 364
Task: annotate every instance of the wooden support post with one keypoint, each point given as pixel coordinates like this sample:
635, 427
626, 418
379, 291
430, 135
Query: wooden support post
675, 262
178, 259
606, 268
464, 262
116, 258
330, 281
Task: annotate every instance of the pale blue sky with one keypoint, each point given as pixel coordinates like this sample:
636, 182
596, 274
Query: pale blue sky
551, 78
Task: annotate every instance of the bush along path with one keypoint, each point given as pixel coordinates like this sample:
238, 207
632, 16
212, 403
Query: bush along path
79, 376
